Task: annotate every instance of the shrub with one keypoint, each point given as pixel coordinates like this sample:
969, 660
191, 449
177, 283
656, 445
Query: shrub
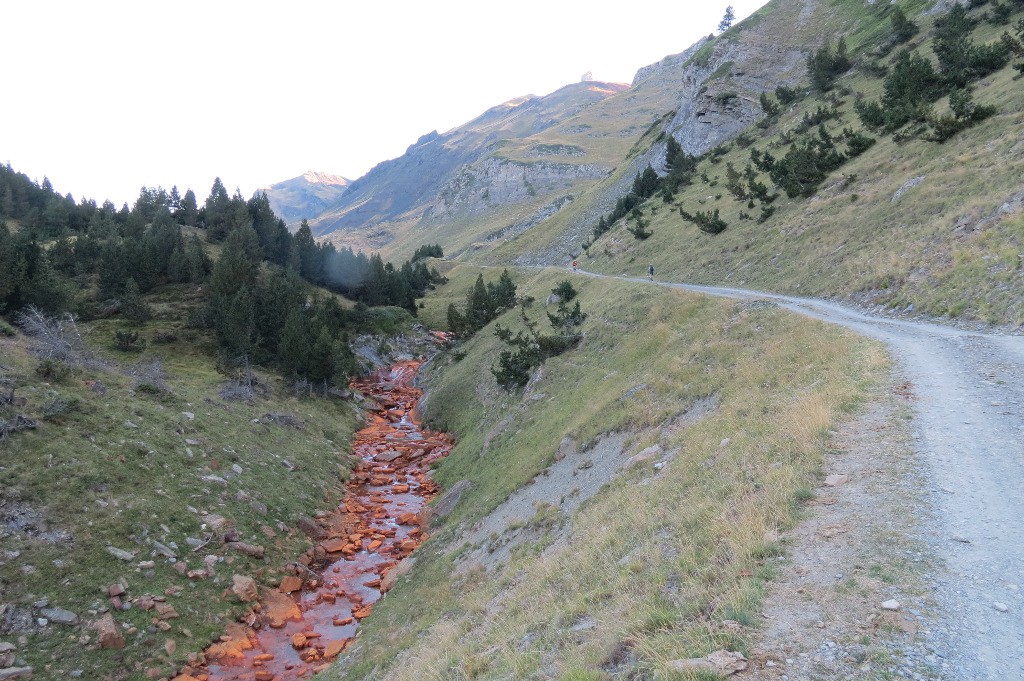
965, 113
565, 291
707, 221
766, 213
128, 341
857, 143
903, 29
825, 65
786, 95
769, 105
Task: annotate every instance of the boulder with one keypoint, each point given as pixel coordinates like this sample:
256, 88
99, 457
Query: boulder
108, 633
245, 588
290, 583
59, 615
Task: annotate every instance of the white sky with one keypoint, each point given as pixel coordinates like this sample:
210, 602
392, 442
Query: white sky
105, 97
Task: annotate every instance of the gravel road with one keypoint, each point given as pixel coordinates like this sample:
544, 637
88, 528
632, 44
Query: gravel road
969, 430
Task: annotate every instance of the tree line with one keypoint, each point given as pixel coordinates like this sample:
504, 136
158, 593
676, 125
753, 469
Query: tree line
263, 297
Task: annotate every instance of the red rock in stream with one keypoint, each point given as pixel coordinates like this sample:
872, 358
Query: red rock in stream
296, 629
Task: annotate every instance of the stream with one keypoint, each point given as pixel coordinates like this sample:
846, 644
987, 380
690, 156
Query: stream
297, 629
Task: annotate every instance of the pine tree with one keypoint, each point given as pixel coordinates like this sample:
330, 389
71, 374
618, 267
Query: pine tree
727, 19
188, 212
133, 307
903, 29
294, 344
217, 212
457, 322
503, 294
113, 270
479, 307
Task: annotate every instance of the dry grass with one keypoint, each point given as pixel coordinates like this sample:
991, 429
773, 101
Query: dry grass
645, 572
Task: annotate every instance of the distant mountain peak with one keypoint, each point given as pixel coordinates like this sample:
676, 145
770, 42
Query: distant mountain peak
305, 196
315, 177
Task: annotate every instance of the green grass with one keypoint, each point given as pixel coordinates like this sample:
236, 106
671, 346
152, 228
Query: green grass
116, 470
874, 249
654, 559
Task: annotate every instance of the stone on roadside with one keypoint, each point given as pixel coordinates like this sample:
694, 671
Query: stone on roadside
109, 635
722, 662
245, 588
651, 452
1001, 607
891, 604
15, 673
837, 479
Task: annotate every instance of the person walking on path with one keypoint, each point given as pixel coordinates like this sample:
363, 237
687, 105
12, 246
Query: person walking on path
575, 265
650, 271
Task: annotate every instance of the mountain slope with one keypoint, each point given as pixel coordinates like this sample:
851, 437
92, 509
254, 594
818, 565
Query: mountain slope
518, 160
564, 158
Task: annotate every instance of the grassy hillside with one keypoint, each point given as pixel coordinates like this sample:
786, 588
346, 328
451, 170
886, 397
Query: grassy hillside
135, 455
589, 576
949, 243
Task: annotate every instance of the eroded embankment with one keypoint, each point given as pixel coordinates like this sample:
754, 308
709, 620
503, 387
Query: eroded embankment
294, 631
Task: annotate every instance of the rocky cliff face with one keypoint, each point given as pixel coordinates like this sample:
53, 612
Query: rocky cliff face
497, 181
716, 85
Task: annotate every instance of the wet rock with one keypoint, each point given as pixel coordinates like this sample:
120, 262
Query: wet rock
279, 608
387, 456
59, 615
335, 648
722, 662
290, 583
108, 633
334, 545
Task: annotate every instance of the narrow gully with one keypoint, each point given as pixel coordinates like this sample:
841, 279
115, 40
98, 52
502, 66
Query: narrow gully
296, 630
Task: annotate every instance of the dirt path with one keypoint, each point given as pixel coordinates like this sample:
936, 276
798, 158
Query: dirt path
968, 433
